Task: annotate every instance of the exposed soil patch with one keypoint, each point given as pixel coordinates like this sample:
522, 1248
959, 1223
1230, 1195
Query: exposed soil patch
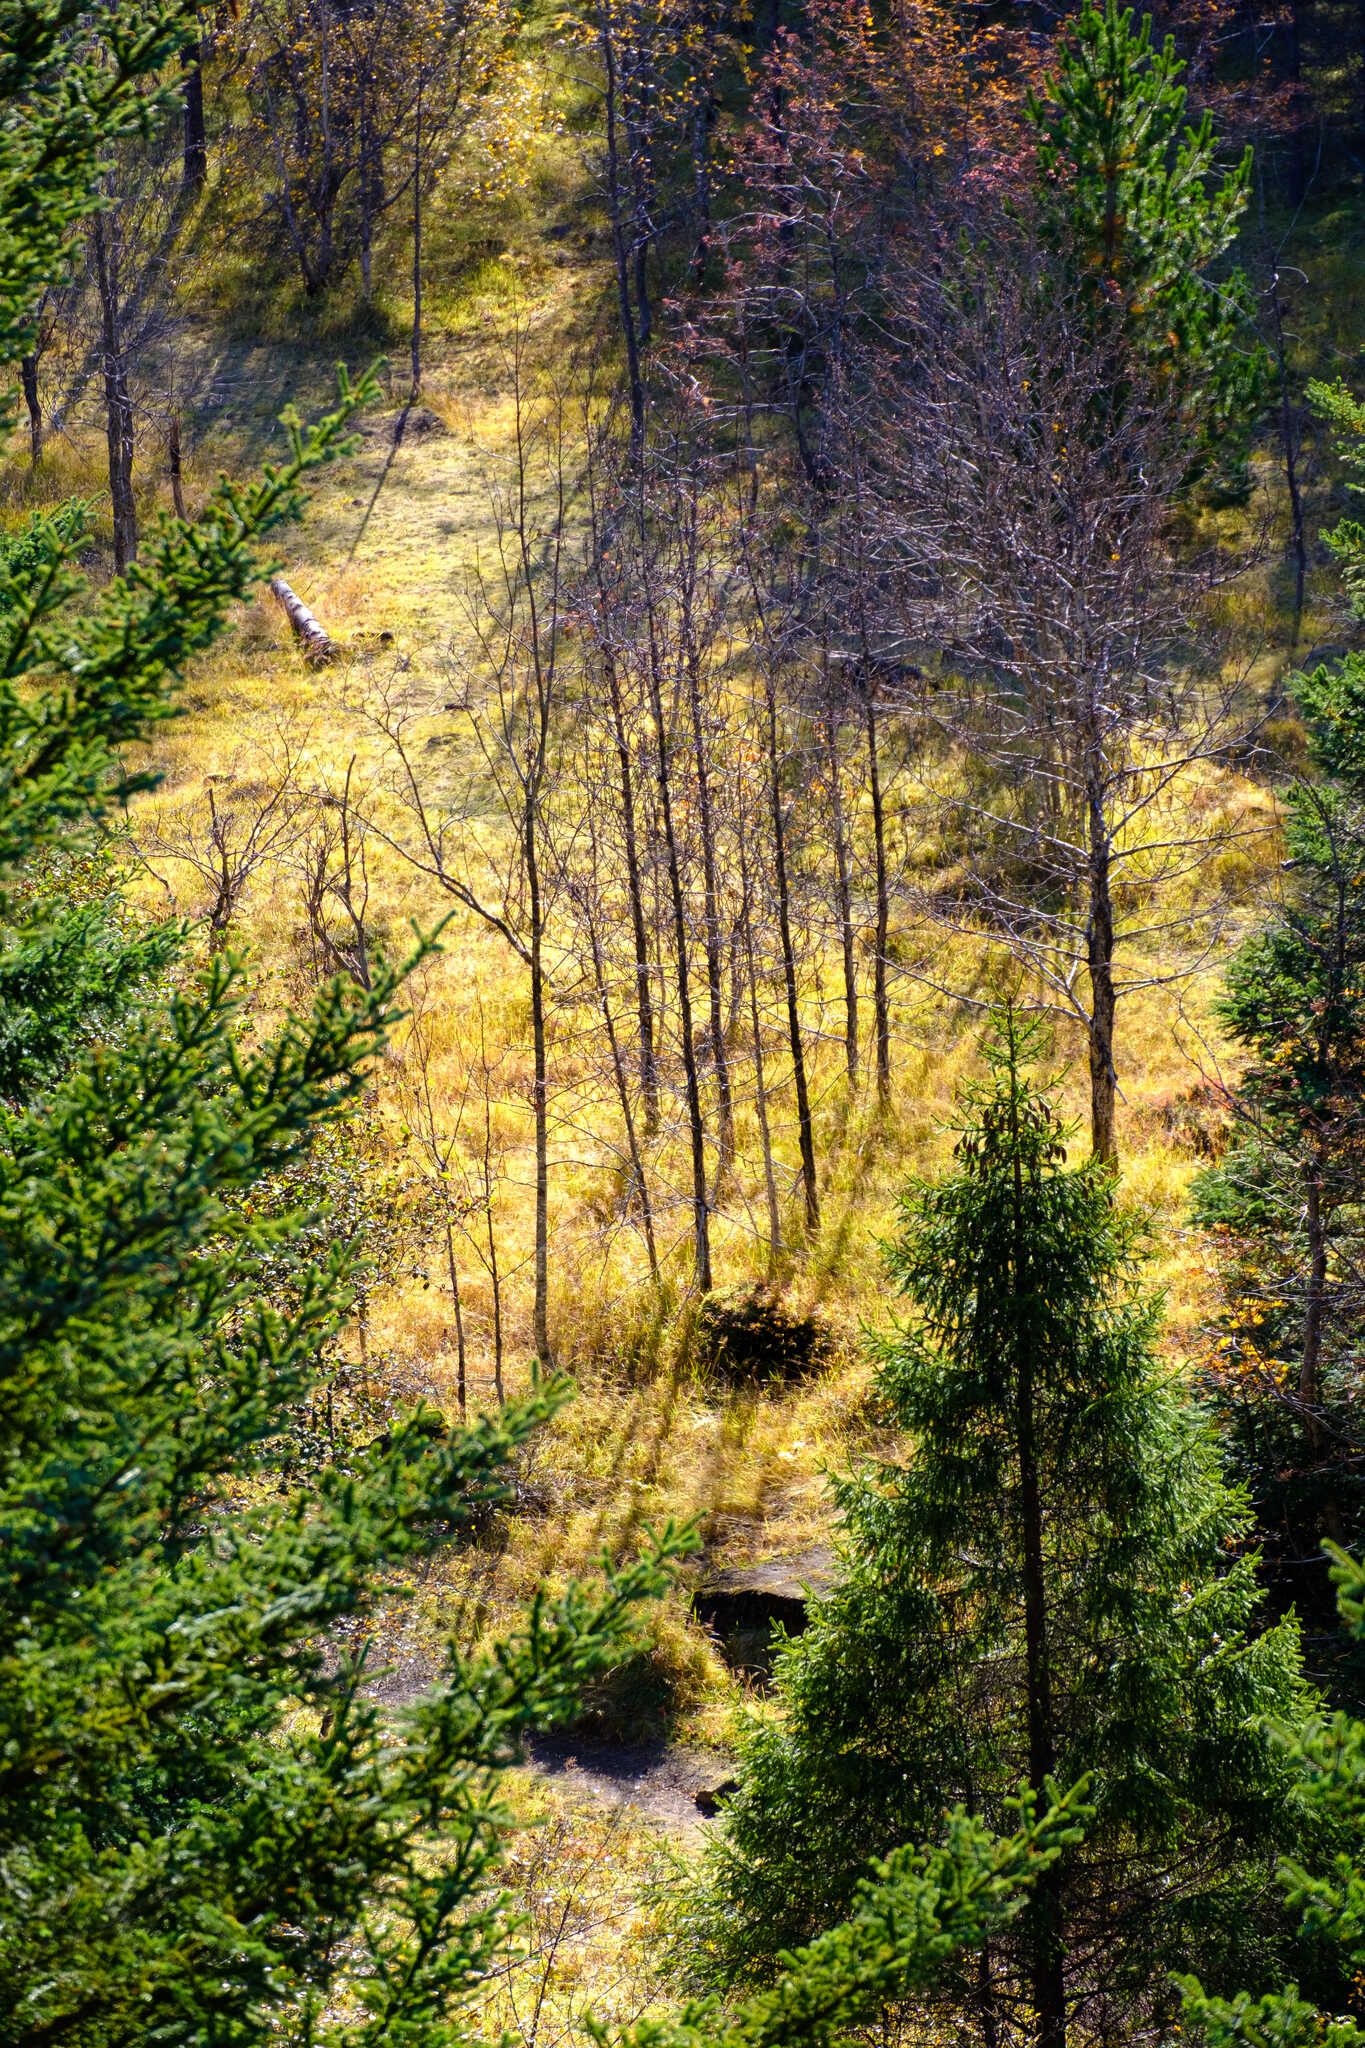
677, 1787
662, 1783
744, 1604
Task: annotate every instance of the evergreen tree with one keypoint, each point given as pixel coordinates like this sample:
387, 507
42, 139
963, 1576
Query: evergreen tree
1328, 1897
1285, 1202
1049, 1582
1132, 194
75, 956
208, 1832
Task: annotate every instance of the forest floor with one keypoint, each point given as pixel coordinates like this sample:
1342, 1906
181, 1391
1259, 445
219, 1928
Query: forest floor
389, 557
672, 1785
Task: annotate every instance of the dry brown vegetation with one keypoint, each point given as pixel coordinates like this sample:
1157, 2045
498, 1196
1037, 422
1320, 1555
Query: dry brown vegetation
391, 559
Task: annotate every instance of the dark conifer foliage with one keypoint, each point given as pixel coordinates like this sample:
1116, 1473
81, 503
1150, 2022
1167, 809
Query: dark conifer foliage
1326, 1892
1284, 1205
1050, 1581
210, 1831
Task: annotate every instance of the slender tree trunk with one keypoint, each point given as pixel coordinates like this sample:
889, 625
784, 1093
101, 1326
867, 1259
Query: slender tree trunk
367, 203
1298, 541
1099, 939
1298, 154
804, 1125
417, 250
173, 465
644, 1004
639, 1184
621, 253
643, 236
461, 1362
293, 225
330, 175
760, 1079
711, 886
844, 900
118, 405
985, 1999
194, 159
881, 1008
696, 1125
28, 380
699, 137
494, 1271
540, 1091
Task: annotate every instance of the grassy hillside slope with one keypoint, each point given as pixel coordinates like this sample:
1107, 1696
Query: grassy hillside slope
387, 560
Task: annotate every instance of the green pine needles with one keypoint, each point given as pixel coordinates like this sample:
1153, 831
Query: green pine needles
211, 1835
1049, 1582
1134, 195
1283, 1204
1328, 1895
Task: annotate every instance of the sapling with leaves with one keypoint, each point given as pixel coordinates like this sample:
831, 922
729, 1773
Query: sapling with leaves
1050, 1582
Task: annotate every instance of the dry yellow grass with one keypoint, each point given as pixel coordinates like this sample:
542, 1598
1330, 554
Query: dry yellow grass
385, 559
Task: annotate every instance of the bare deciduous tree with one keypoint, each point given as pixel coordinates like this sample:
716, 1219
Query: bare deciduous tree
358, 108
508, 699
247, 818
1028, 479
333, 867
435, 1128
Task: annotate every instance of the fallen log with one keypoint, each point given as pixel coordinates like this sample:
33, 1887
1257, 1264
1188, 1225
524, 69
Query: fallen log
317, 643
